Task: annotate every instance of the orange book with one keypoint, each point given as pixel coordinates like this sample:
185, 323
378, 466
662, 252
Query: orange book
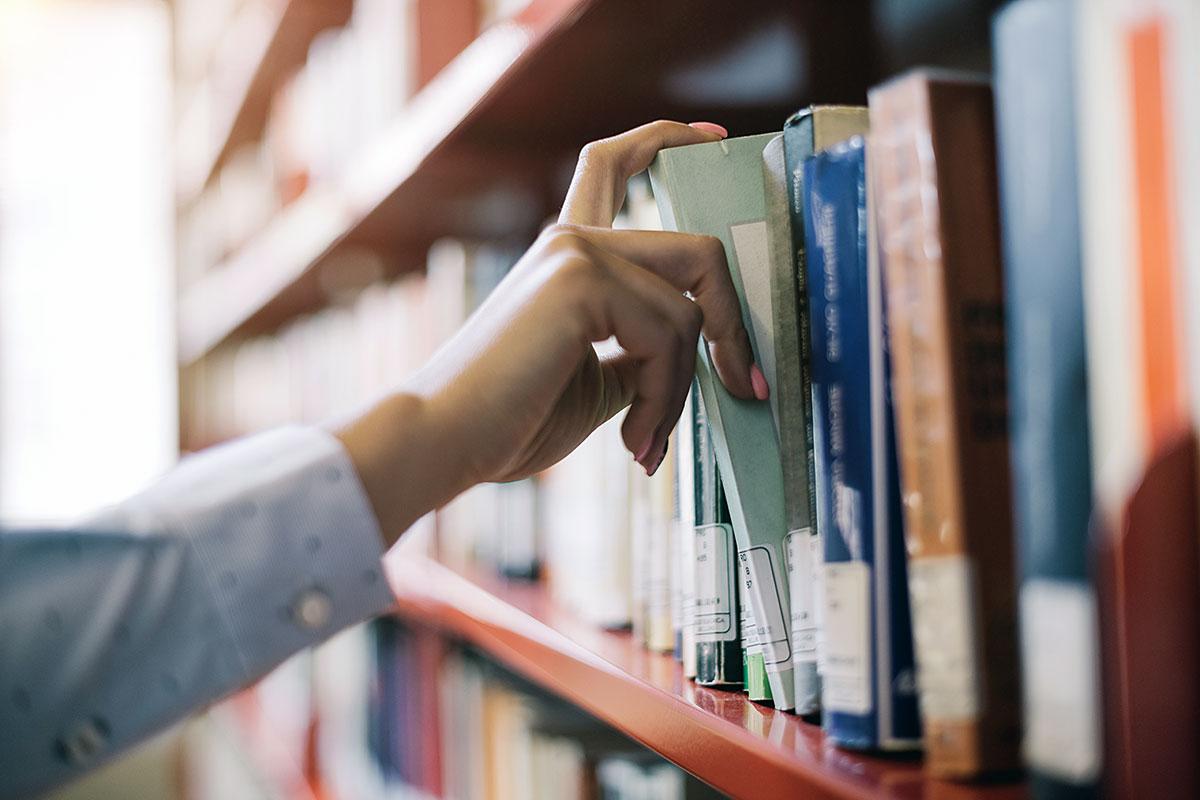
933, 163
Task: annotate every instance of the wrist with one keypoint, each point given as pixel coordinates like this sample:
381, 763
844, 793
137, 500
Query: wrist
406, 459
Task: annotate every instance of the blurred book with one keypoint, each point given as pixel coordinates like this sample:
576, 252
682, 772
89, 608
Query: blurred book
933, 147
1136, 64
1047, 382
868, 693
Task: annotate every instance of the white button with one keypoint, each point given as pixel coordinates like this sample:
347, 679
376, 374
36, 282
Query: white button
84, 741
312, 609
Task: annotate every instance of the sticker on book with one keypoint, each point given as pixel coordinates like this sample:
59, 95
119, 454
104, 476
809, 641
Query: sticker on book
715, 584
758, 571
944, 629
1062, 688
847, 675
800, 566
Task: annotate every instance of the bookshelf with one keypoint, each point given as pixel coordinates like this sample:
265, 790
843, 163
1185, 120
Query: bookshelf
485, 151
486, 148
718, 736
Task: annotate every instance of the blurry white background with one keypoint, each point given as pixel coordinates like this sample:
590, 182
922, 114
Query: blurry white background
87, 379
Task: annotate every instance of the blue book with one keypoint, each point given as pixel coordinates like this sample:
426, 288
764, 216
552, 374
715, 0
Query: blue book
869, 698
1047, 380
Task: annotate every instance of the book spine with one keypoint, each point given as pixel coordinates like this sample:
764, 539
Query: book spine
685, 499
793, 405
842, 425
1142, 438
718, 645
938, 223
1047, 382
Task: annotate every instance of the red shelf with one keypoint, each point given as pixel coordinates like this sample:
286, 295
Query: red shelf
740, 747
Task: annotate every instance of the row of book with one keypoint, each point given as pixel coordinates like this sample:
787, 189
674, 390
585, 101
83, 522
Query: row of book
356, 82
948, 391
451, 723
975, 478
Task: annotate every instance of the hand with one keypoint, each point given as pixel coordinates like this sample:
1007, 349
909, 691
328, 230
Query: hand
520, 386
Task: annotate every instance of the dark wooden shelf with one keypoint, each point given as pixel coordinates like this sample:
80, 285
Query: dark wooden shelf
740, 747
485, 150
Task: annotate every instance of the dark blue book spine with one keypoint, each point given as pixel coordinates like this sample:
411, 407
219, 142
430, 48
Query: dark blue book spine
1036, 133
869, 692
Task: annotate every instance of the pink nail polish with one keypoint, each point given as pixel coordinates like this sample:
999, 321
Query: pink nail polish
758, 382
640, 457
710, 127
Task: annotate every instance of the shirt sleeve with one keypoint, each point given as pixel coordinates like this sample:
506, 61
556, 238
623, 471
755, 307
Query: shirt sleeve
238, 558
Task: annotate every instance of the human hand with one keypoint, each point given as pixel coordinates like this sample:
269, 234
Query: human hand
521, 385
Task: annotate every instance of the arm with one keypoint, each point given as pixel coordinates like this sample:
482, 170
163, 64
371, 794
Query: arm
248, 553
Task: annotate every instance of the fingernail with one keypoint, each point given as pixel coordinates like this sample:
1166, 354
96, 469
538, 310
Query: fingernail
710, 127
640, 457
758, 382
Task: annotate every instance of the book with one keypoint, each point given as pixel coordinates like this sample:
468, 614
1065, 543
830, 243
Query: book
715, 615
685, 536
806, 132
1047, 382
717, 189
1135, 66
934, 144
868, 686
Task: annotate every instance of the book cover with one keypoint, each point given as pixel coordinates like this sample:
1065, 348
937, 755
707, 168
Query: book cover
717, 189
788, 380
1132, 69
715, 616
934, 147
868, 699
1047, 382
808, 131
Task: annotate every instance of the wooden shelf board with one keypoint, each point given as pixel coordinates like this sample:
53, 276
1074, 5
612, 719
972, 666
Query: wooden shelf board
516, 107
739, 747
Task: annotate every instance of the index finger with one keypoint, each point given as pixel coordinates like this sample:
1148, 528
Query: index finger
605, 167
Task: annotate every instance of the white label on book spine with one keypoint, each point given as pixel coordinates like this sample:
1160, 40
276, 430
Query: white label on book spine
715, 584
944, 602
771, 621
847, 676
800, 577
1062, 690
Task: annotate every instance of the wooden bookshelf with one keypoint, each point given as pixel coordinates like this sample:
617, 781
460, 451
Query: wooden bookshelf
241, 113
739, 747
485, 149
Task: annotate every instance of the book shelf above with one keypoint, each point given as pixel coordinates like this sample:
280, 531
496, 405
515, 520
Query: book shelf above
739, 747
486, 149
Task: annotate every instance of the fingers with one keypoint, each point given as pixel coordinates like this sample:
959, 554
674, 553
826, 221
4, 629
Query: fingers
693, 264
605, 167
656, 327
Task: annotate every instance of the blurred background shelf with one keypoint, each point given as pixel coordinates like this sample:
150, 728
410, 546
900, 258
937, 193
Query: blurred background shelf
718, 736
263, 46
486, 148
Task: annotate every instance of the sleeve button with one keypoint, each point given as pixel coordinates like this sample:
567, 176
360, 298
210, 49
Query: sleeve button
312, 609
83, 742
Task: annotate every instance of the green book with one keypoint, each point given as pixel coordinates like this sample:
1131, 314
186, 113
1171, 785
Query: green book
792, 403
808, 131
717, 189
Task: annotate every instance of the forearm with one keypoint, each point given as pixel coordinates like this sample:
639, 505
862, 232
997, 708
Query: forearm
408, 459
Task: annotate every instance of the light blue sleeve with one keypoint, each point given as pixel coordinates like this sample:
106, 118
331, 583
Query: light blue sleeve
235, 560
